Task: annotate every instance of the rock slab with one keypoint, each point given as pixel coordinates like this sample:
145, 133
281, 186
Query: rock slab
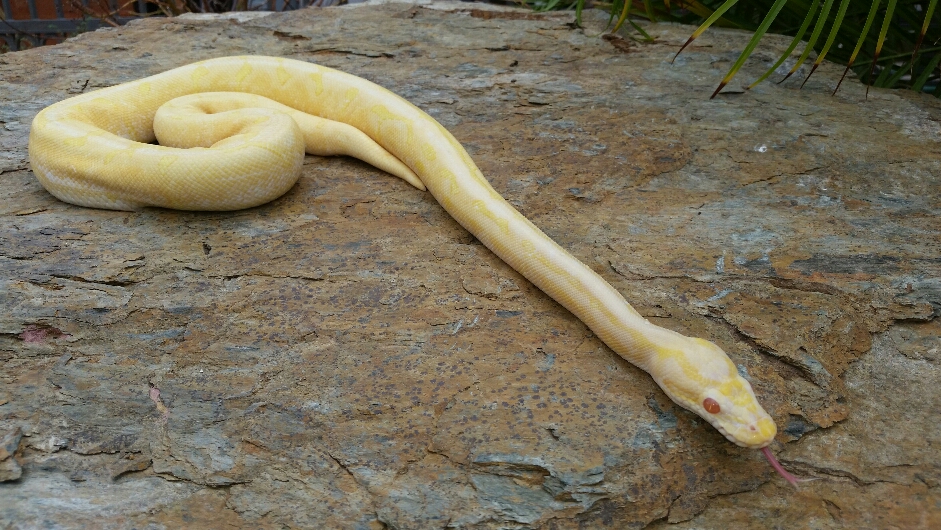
347, 356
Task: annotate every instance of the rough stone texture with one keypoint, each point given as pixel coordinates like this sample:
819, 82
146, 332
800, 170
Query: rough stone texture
348, 356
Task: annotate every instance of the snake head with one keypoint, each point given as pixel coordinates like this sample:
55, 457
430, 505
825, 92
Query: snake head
700, 376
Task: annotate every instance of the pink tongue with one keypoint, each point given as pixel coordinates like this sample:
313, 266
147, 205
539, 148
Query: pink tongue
777, 467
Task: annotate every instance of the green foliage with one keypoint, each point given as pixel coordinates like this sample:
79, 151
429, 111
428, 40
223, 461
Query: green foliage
904, 52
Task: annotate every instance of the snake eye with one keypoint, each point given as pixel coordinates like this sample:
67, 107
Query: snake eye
711, 406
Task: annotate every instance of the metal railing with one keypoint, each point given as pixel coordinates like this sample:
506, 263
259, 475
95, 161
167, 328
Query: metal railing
18, 33
69, 17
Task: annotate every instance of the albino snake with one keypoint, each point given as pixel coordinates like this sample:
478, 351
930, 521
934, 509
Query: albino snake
238, 139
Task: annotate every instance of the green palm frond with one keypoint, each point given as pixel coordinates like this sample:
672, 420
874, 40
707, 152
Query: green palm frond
818, 29
862, 38
716, 15
762, 29
924, 26
903, 54
834, 31
797, 39
889, 10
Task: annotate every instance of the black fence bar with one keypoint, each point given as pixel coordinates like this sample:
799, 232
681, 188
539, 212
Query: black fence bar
36, 31
55, 26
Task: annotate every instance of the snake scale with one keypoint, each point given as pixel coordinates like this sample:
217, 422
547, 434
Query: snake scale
233, 132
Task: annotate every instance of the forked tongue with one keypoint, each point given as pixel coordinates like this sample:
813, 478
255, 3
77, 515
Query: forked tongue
778, 467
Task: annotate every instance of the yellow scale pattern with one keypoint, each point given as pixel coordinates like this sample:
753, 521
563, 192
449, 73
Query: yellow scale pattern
93, 150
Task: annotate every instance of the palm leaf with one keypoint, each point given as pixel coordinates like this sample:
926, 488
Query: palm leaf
890, 8
923, 78
862, 38
705, 25
797, 38
650, 12
924, 28
759, 33
909, 35
696, 7
625, 11
834, 31
818, 28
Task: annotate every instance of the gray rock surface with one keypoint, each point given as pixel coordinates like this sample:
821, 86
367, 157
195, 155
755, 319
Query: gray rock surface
347, 356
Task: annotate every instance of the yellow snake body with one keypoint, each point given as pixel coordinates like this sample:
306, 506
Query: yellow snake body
215, 154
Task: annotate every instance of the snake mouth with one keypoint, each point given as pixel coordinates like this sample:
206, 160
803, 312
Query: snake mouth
763, 447
759, 438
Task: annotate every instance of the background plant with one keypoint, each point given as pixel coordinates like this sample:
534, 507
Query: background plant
887, 43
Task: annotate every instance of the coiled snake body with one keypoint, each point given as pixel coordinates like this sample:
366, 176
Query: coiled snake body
238, 140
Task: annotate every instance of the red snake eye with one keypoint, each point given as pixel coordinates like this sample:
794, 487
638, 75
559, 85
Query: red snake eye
711, 406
